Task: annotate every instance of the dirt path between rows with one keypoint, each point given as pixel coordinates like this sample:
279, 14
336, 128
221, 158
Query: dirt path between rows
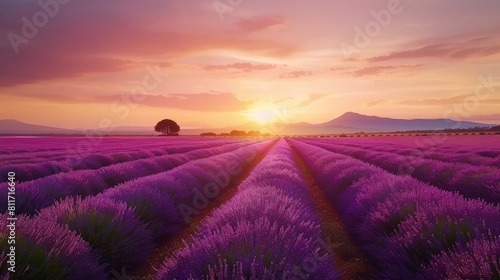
167, 248
347, 257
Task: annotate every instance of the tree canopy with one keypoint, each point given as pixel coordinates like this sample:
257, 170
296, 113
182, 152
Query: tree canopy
238, 133
168, 127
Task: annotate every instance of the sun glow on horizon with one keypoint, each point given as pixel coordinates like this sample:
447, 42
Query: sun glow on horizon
266, 114
262, 116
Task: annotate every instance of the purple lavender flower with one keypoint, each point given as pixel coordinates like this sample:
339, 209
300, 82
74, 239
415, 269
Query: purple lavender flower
110, 227
479, 259
46, 250
157, 211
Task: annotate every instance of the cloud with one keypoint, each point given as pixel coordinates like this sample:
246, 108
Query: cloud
443, 101
311, 99
242, 66
59, 98
31, 68
377, 70
203, 102
426, 102
340, 68
295, 74
297, 102
260, 23
71, 45
374, 103
477, 47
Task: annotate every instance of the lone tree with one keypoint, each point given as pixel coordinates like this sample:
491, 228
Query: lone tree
168, 127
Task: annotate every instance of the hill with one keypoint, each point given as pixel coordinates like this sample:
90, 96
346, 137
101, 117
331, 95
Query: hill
380, 124
13, 127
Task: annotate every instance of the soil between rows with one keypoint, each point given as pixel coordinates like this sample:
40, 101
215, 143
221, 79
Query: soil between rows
347, 257
167, 248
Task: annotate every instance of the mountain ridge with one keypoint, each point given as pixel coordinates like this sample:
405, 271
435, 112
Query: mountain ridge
15, 127
384, 124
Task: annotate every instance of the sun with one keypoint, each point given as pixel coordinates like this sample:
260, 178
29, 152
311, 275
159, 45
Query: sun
262, 116
265, 114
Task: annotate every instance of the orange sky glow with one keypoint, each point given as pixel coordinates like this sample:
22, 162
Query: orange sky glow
73, 64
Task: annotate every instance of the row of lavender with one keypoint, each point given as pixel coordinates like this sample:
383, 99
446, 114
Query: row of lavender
38, 194
408, 229
431, 149
460, 144
471, 181
93, 237
80, 146
268, 230
16, 145
39, 168
106, 148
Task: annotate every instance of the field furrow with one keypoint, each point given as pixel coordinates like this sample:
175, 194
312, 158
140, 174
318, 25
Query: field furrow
166, 248
119, 225
40, 168
251, 208
32, 147
405, 227
478, 156
41, 193
478, 182
348, 258
268, 230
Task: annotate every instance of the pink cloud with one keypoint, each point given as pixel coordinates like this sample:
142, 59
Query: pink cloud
98, 37
311, 99
242, 66
477, 47
30, 67
261, 23
443, 101
340, 68
427, 102
377, 70
203, 102
296, 74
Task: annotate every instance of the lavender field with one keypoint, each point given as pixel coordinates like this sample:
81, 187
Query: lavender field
402, 207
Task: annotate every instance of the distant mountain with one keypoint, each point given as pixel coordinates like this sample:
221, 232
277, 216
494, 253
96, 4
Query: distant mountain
354, 122
379, 124
347, 123
13, 127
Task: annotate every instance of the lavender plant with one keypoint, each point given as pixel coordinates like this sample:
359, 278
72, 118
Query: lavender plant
46, 250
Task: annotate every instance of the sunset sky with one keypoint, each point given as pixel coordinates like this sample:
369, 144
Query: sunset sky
75, 63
